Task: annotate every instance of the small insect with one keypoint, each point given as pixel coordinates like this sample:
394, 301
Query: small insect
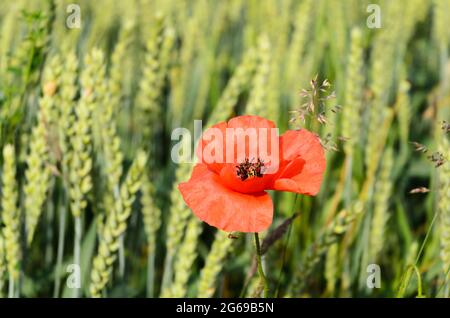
419, 190
232, 236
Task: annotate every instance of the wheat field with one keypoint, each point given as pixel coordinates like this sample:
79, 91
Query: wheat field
91, 91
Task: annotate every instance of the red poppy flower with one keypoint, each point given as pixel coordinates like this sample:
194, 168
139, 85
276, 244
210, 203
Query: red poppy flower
228, 186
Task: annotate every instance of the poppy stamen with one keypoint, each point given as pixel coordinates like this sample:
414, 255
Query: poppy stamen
249, 169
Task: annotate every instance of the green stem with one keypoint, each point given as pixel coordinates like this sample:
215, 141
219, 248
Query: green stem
76, 249
167, 276
11, 288
60, 252
262, 276
285, 247
419, 254
150, 275
121, 240
121, 257
406, 279
49, 233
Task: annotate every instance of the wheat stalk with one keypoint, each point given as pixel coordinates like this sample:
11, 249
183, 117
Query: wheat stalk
81, 142
147, 100
193, 39
38, 160
383, 188
66, 118
178, 217
115, 226
444, 205
337, 227
236, 85
120, 53
152, 221
402, 107
381, 81
11, 216
213, 265
80, 164
9, 25
338, 26
183, 264
3, 265
303, 19
257, 104
110, 141
354, 84
331, 268
441, 31
67, 105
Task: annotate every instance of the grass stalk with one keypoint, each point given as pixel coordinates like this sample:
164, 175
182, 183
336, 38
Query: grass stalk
77, 249
262, 276
60, 252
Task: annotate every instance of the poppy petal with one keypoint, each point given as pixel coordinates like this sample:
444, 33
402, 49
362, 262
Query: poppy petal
252, 138
305, 145
219, 206
211, 147
250, 121
290, 168
242, 137
302, 143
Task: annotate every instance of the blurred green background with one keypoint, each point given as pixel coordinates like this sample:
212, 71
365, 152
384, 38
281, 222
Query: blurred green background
89, 112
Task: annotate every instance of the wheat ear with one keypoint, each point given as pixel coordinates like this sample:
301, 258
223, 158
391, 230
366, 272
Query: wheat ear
152, 221
147, 100
213, 265
115, 226
11, 215
338, 226
353, 93
257, 104
80, 164
444, 205
183, 264
383, 188
38, 173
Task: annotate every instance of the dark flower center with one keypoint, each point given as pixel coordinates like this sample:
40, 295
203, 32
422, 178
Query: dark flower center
250, 169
